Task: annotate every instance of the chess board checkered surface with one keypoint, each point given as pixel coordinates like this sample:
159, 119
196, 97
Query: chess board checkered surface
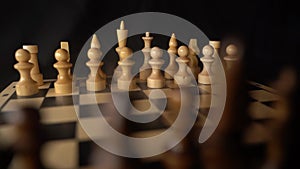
67, 144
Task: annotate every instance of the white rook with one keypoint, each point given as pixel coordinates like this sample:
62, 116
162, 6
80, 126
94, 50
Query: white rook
35, 71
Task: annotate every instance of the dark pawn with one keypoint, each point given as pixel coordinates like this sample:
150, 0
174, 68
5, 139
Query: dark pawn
29, 141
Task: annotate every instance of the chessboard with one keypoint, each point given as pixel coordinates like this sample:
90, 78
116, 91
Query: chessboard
68, 146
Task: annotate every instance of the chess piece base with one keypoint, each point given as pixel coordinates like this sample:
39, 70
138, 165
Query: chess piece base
126, 84
144, 74
168, 76
195, 71
155, 83
102, 74
95, 86
203, 79
63, 88
26, 90
38, 78
170, 72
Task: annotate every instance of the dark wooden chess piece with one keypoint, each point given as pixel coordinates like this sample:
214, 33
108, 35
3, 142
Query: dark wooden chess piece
29, 139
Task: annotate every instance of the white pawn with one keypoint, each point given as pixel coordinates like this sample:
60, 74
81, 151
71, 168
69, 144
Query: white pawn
126, 80
172, 68
95, 82
35, 71
206, 74
63, 83
231, 56
26, 85
145, 70
193, 52
156, 79
183, 77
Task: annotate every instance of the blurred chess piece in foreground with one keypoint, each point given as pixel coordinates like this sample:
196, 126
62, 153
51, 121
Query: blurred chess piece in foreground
101, 159
223, 148
29, 140
276, 153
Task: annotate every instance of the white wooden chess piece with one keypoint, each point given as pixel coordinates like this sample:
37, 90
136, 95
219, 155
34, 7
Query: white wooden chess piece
231, 56
172, 68
206, 75
193, 63
183, 77
122, 35
95, 82
145, 69
126, 81
216, 45
35, 71
26, 85
156, 79
96, 44
63, 83
65, 45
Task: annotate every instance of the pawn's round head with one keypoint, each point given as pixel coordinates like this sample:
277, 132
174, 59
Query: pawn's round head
231, 50
94, 53
208, 50
156, 53
22, 55
125, 52
183, 51
61, 55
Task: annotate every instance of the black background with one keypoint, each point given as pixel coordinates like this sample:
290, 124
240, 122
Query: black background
269, 30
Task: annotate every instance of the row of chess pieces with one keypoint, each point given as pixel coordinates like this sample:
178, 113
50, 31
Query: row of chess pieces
182, 69
31, 77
